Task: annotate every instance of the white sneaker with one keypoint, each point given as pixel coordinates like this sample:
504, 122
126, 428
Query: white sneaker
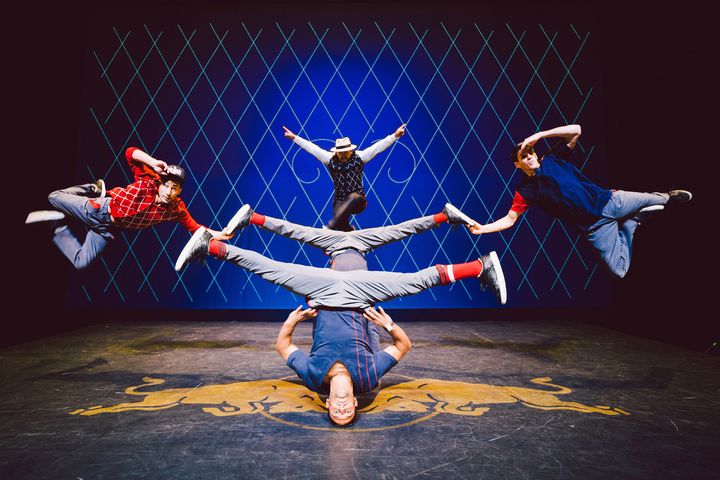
44, 216
492, 276
240, 219
196, 247
643, 213
456, 216
652, 208
99, 187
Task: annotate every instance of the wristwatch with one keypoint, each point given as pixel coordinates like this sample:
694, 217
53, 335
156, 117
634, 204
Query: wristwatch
389, 326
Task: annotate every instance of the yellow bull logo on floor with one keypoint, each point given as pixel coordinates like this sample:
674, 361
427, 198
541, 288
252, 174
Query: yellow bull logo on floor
460, 398
272, 397
240, 398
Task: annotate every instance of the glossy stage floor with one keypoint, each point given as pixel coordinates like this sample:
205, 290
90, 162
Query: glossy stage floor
472, 400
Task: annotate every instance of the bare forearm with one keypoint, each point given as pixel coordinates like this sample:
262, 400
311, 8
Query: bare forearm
401, 343
284, 344
568, 132
503, 224
400, 339
143, 157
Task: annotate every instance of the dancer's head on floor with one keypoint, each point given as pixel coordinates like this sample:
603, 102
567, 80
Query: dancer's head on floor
341, 402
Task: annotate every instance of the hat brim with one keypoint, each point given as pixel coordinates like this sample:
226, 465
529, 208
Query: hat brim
174, 178
343, 149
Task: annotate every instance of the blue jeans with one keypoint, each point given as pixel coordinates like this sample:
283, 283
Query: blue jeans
612, 234
94, 213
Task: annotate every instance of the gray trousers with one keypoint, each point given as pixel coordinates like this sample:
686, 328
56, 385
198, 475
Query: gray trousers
612, 235
331, 241
324, 287
74, 202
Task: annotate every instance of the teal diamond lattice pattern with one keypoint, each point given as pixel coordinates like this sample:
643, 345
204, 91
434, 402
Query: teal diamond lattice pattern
213, 97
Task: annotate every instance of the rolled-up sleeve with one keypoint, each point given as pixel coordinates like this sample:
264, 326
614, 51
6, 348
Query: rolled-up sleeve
139, 170
298, 361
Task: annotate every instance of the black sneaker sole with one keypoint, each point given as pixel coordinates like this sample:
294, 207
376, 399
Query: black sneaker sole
456, 212
500, 277
243, 215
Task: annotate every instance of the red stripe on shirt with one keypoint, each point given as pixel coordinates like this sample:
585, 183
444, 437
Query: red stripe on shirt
357, 354
372, 357
366, 338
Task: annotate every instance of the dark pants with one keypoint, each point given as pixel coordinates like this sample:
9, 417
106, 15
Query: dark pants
342, 209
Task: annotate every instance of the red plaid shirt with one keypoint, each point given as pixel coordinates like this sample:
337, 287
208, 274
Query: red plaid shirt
134, 206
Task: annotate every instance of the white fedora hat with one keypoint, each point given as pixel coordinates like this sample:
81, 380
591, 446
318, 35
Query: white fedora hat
343, 145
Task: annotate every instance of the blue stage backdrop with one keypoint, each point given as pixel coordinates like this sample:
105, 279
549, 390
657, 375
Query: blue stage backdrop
211, 90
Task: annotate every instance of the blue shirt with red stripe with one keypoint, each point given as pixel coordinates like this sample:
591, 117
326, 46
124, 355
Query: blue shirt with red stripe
562, 190
341, 336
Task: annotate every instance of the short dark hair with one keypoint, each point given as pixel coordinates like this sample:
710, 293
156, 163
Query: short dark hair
354, 419
514, 152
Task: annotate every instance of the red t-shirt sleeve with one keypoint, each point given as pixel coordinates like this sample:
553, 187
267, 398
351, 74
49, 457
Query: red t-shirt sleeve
519, 204
139, 170
129, 155
185, 219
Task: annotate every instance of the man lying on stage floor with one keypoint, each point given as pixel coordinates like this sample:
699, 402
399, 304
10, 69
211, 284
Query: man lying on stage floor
345, 357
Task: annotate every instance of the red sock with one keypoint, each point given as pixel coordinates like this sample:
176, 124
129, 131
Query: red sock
217, 249
440, 217
459, 271
257, 219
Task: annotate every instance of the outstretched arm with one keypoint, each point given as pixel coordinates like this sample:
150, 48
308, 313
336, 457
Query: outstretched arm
503, 224
570, 133
191, 225
323, 155
401, 342
284, 345
381, 145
